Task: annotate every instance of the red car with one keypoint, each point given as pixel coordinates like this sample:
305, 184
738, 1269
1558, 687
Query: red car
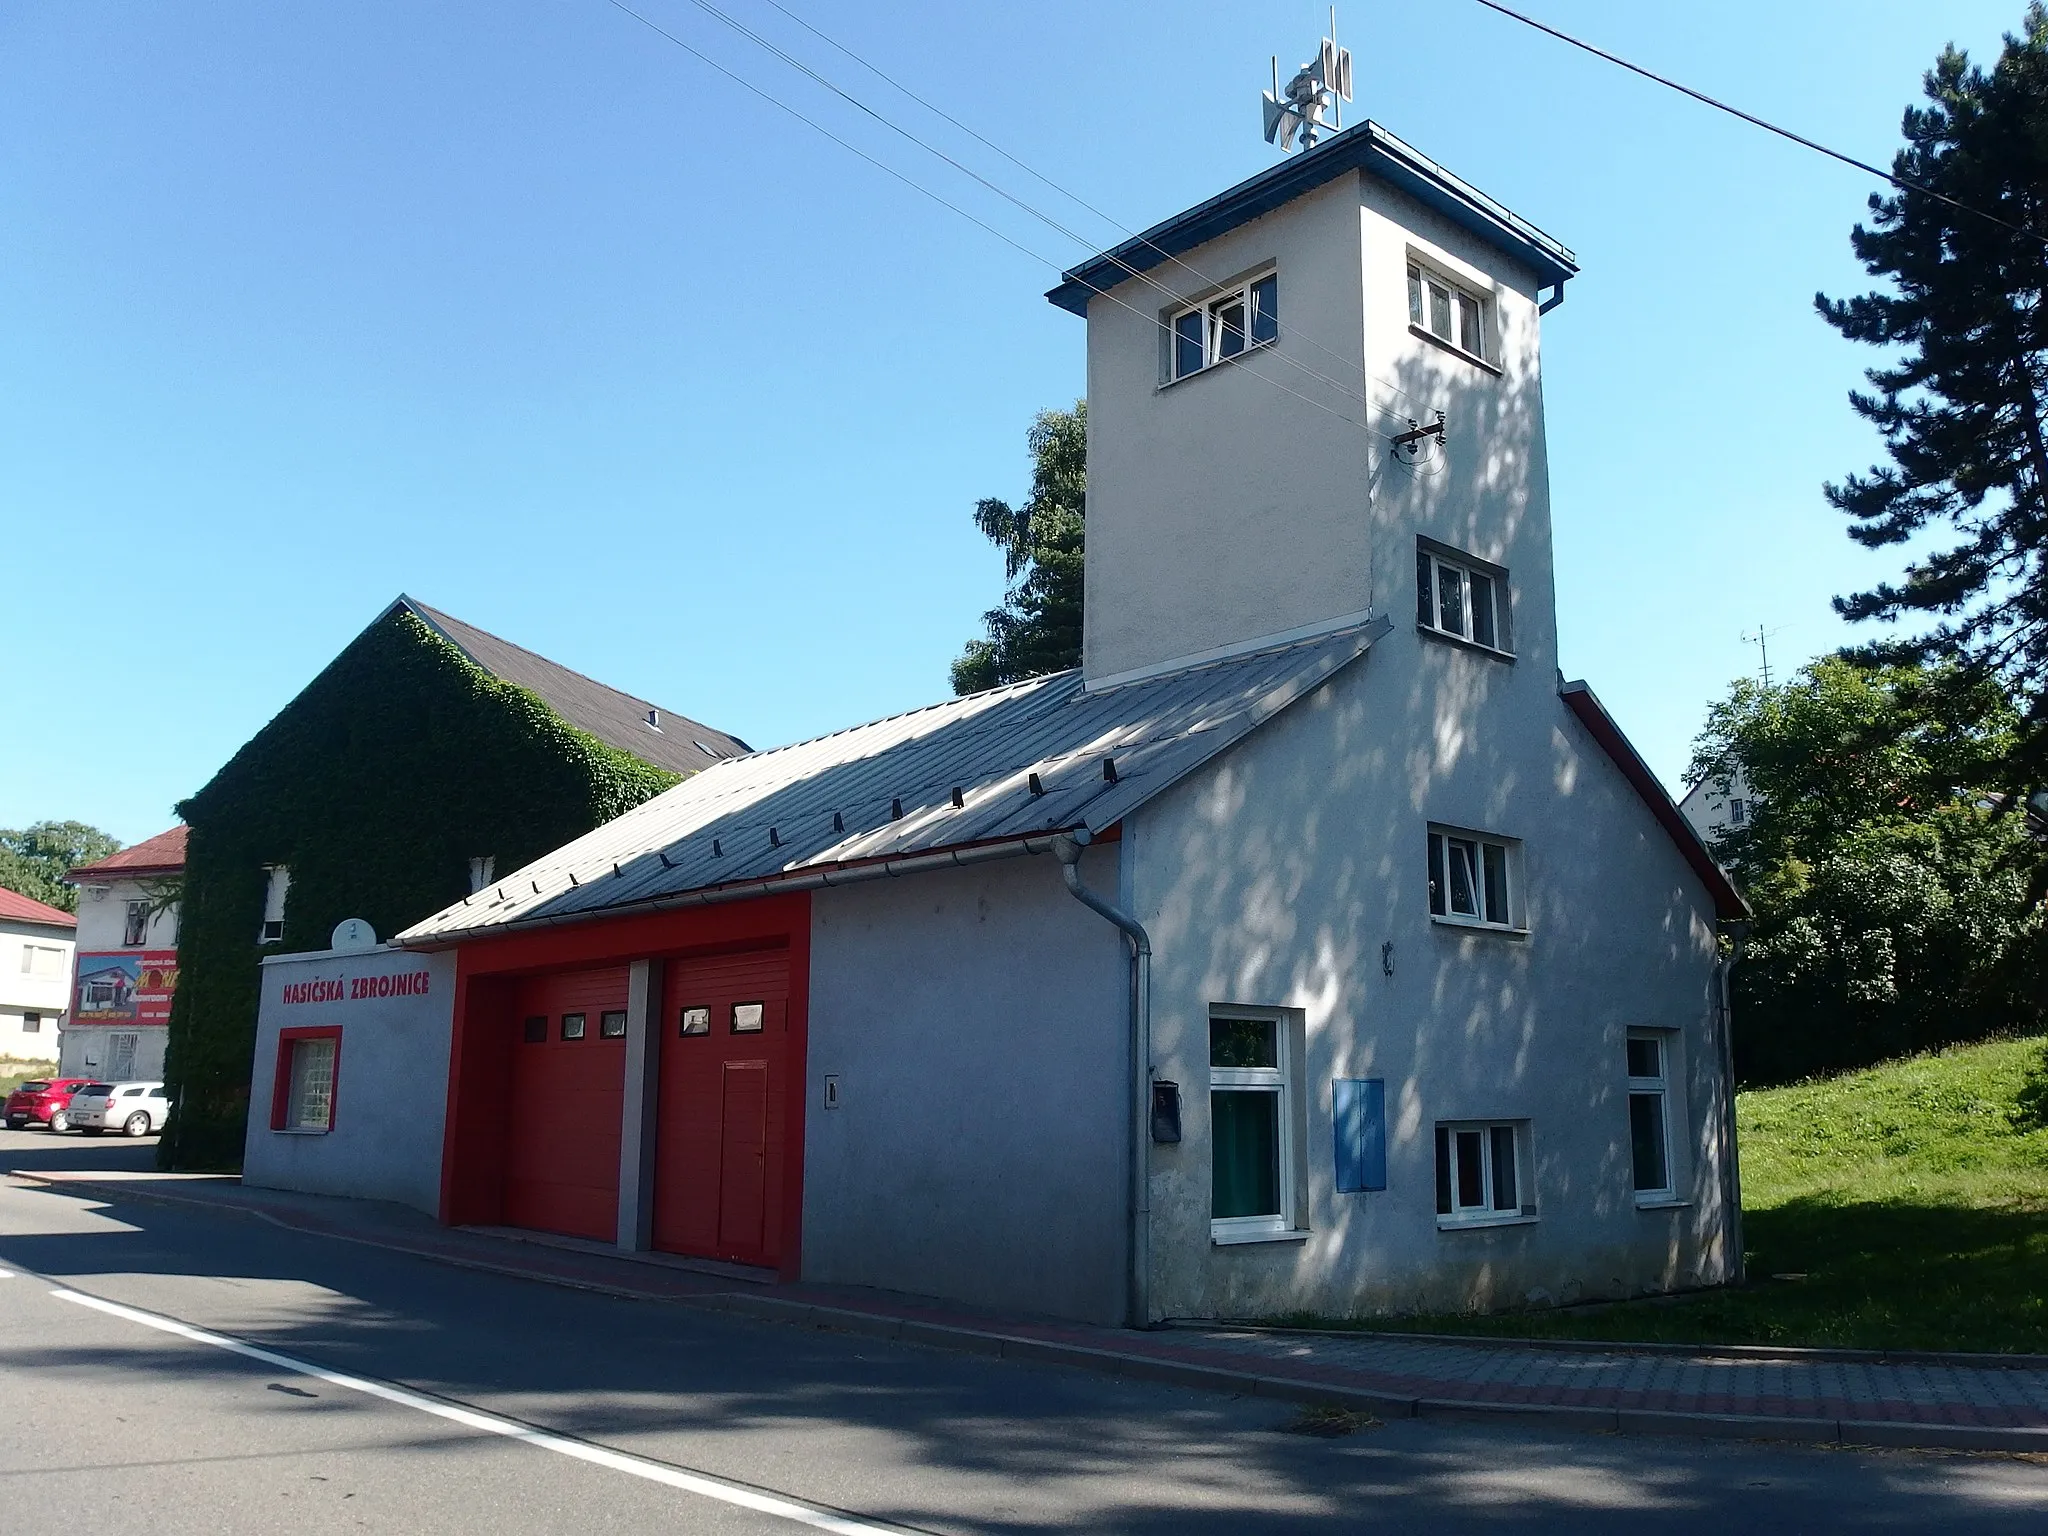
45, 1100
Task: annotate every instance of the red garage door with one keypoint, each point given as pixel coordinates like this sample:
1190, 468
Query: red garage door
721, 1174
568, 1087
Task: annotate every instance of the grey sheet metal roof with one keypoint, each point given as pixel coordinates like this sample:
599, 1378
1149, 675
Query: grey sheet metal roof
954, 775
680, 744
1363, 146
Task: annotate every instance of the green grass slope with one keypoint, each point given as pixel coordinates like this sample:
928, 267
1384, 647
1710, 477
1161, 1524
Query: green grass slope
1900, 1207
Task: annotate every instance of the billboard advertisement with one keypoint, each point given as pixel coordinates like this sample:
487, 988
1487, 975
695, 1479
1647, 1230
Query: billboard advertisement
131, 986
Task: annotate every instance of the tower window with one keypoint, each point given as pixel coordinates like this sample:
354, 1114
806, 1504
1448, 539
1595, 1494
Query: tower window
1223, 327
1447, 311
1462, 598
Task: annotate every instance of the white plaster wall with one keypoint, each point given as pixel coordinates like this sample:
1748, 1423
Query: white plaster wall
48, 995
976, 1021
17, 1044
103, 918
391, 1093
1222, 508
89, 1051
1274, 876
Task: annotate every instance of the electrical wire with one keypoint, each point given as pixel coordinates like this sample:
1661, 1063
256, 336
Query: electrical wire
797, 64
1039, 176
1769, 127
936, 197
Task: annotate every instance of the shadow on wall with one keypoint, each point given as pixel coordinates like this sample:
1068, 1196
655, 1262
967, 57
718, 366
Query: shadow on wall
1326, 853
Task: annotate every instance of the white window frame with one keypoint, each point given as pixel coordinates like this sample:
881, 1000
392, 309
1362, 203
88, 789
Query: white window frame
277, 884
1214, 329
1658, 1087
483, 869
301, 1104
1426, 282
135, 921
1488, 1213
51, 957
1437, 569
1446, 845
1279, 1080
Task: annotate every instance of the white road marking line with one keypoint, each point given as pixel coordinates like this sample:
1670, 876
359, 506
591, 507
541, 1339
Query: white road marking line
490, 1423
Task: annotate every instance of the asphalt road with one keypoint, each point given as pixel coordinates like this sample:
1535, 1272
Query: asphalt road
322, 1385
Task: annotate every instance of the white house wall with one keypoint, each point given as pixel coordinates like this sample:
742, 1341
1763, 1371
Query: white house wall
24, 992
391, 1089
1221, 508
1273, 878
975, 1022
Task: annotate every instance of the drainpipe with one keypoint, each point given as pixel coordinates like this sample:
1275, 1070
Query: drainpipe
1138, 1293
1731, 1179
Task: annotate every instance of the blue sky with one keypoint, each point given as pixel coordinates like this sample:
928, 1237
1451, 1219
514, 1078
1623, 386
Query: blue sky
521, 310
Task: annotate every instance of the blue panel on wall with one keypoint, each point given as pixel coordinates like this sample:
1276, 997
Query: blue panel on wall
1359, 1113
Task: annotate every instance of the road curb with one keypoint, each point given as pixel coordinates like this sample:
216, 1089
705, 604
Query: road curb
1192, 1375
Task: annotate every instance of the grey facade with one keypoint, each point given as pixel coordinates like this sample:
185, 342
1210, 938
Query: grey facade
390, 1088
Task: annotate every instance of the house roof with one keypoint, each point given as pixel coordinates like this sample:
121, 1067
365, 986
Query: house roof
1584, 703
993, 768
17, 908
1364, 146
679, 744
163, 854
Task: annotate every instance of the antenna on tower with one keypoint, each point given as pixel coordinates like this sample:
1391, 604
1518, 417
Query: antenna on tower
1319, 87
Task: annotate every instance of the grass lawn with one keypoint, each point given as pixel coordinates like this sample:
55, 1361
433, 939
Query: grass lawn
1910, 1200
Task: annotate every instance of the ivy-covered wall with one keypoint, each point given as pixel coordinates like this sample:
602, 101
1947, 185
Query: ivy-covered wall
376, 786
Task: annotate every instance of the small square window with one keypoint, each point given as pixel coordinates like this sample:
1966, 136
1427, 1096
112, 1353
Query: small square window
1454, 315
1471, 879
573, 1026
1461, 597
1479, 1175
747, 1018
694, 1021
536, 1028
31, 1023
1225, 326
611, 1024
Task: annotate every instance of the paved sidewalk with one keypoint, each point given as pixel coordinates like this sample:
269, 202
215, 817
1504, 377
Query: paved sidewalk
1791, 1395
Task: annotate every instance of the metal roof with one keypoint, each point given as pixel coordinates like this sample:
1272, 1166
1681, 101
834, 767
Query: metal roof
1365, 146
678, 743
1018, 762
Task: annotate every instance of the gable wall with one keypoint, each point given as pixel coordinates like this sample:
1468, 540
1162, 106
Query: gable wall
1274, 876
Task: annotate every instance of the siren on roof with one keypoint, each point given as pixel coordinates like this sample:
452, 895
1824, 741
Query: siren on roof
1313, 99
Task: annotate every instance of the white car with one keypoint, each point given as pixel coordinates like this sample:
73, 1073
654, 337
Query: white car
136, 1109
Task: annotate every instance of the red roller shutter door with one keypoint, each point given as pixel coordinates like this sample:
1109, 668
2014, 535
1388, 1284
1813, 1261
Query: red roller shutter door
562, 1142
721, 1168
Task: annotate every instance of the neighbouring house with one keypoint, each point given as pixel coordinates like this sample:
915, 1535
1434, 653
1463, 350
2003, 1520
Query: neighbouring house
127, 960
1719, 804
425, 760
36, 944
1313, 947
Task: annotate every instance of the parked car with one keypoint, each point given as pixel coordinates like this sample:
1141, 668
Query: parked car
45, 1101
135, 1109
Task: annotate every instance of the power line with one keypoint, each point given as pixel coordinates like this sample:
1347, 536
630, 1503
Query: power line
1769, 127
917, 186
1037, 175
756, 91
789, 59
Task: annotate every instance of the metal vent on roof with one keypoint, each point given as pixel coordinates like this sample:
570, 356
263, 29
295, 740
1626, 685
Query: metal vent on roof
707, 751
654, 718
896, 810
1033, 783
838, 822
959, 801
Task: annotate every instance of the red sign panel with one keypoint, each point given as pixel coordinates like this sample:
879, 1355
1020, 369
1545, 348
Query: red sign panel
130, 986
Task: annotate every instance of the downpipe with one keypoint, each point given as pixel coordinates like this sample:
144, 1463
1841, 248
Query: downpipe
1138, 1283
1731, 1193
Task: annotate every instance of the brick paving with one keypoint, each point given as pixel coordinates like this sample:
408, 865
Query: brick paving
1840, 1395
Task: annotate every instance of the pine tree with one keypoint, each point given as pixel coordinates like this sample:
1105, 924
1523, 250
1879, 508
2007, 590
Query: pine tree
1960, 405
1038, 627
